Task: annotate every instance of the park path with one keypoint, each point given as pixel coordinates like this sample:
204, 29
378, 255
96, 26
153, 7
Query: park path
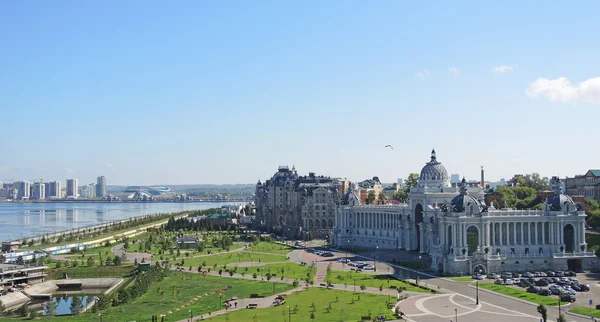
265, 302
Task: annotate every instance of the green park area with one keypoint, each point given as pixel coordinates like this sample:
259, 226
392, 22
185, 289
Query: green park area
521, 294
368, 280
288, 270
463, 278
179, 293
586, 311
317, 304
233, 257
272, 248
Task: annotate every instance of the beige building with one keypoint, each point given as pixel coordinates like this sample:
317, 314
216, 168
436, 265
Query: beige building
587, 185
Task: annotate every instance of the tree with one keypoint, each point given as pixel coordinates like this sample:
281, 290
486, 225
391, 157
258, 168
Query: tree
371, 197
117, 261
400, 196
520, 197
90, 261
76, 305
382, 197
536, 182
543, 312
410, 182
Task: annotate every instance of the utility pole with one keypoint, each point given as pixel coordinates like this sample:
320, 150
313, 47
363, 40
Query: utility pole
477, 293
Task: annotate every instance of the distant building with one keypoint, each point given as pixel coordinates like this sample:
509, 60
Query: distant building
53, 190
364, 187
23, 189
101, 187
587, 185
297, 206
187, 242
455, 178
72, 188
88, 191
38, 191
400, 182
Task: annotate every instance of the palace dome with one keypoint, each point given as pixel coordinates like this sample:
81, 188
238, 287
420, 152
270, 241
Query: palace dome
464, 199
434, 170
558, 200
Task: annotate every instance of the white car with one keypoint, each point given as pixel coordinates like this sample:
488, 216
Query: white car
529, 275
368, 267
499, 282
509, 281
478, 277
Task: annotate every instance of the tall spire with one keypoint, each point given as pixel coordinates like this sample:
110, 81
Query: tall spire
463, 186
433, 155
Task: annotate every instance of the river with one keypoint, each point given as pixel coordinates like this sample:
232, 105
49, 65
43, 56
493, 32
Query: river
21, 220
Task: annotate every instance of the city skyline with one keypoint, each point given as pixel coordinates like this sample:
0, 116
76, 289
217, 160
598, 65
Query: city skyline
150, 93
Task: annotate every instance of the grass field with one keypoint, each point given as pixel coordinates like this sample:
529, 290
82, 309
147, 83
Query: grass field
521, 294
290, 270
344, 309
176, 294
234, 257
586, 311
369, 280
82, 271
272, 248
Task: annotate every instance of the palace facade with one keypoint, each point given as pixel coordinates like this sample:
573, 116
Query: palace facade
462, 234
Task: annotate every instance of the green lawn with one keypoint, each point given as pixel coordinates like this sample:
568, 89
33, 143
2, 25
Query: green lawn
586, 311
344, 309
290, 270
84, 271
521, 294
272, 248
592, 239
235, 257
369, 280
176, 294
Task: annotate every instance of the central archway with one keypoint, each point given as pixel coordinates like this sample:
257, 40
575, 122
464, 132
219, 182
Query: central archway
479, 269
569, 237
418, 220
472, 239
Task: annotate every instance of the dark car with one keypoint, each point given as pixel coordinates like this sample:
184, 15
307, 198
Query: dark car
533, 289
577, 288
541, 283
584, 288
550, 274
544, 292
524, 283
560, 274
555, 280
571, 274
565, 297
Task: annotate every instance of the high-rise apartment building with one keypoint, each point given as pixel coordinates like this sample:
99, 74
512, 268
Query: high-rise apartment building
23, 189
101, 187
88, 191
400, 182
38, 191
72, 188
53, 190
454, 178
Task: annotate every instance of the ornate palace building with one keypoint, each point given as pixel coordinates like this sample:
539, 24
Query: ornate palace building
298, 206
462, 234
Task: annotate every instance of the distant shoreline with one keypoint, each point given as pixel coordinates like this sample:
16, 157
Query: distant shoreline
119, 201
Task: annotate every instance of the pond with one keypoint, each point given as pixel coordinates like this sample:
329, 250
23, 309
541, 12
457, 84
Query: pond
65, 304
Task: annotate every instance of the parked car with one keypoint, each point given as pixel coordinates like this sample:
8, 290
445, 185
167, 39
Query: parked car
560, 274
533, 289
555, 289
509, 281
343, 260
478, 276
542, 274
545, 292
506, 275
551, 274
567, 297
499, 282
368, 267
493, 276
528, 274
541, 283
584, 288
571, 273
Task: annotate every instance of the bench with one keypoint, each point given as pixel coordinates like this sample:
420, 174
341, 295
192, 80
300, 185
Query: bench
365, 318
251, 306
253, 296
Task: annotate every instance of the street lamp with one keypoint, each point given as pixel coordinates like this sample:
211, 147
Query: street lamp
455, 315
100, 316
289, 314
250, 260
477, 293
190, 315
375, 257
347, 245
354, 284
220, 295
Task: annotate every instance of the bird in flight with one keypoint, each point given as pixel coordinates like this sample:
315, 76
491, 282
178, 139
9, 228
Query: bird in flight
389, 146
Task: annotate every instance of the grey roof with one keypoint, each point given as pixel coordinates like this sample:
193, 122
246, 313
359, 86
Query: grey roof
434, 170
187, 240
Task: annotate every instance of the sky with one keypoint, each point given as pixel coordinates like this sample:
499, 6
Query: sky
185, 92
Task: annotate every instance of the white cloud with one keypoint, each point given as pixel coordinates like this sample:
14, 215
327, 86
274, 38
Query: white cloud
453, 71
502, 69
69, 170
561, 90
422, 74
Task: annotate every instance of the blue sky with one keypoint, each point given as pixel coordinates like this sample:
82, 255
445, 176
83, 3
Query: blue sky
149, 92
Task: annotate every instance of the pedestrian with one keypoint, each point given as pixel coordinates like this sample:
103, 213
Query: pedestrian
236, 305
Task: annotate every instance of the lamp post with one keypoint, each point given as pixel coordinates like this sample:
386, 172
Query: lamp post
375, 257
250, 260
191, 315
455, 315
476, 292
347, 245
220, 295
100, 316
354, 284
289, 314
